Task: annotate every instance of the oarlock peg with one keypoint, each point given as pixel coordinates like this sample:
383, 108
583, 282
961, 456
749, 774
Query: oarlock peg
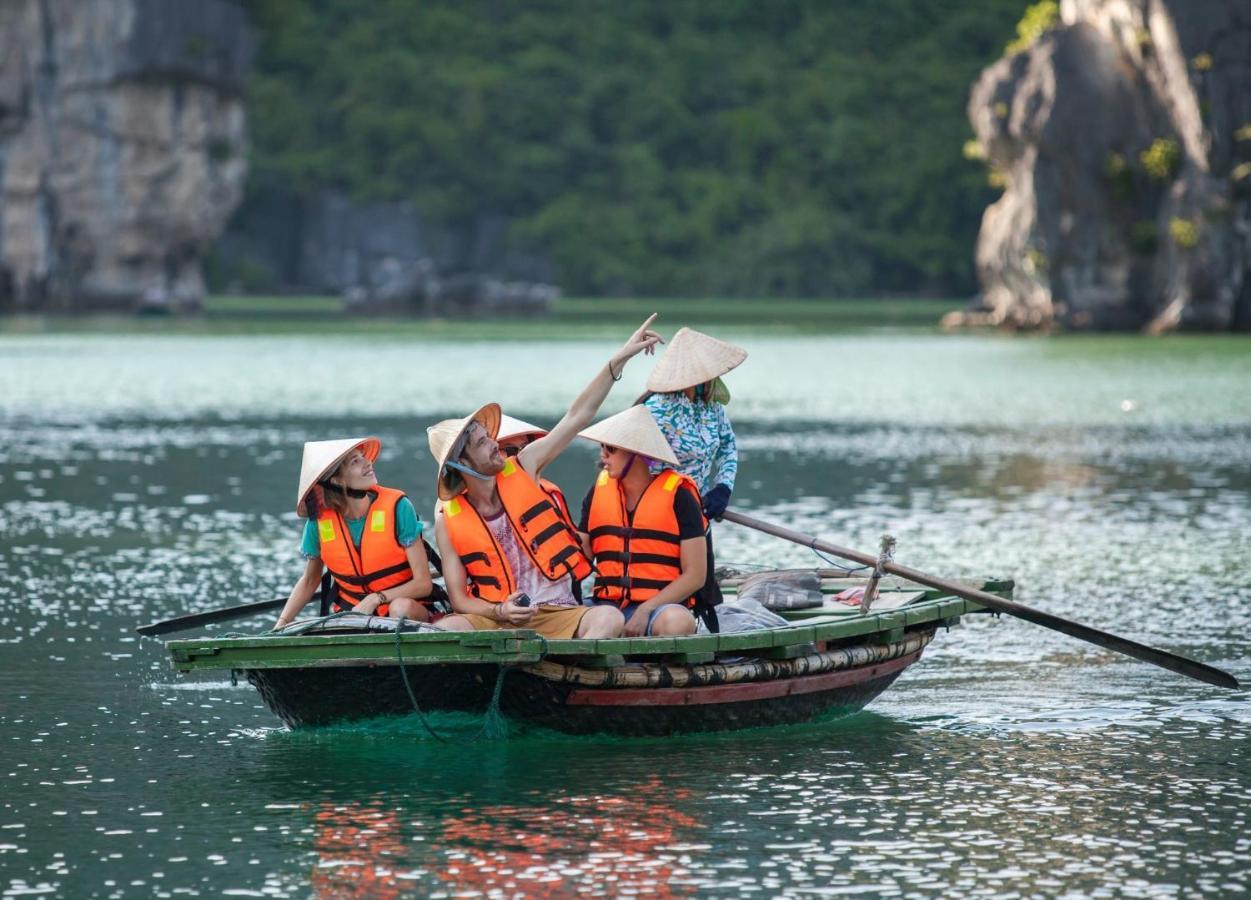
885, 555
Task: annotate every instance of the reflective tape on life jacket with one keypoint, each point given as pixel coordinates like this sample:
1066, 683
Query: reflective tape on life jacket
379, 563
636, 559
545, 535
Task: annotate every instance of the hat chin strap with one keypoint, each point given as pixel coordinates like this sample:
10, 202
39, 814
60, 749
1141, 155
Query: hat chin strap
630, 464
337, 489
468, 471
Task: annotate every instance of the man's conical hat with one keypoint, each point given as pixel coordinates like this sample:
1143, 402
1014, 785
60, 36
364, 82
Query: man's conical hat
692, 358
323, 457
634, 430
514, 428
443, 437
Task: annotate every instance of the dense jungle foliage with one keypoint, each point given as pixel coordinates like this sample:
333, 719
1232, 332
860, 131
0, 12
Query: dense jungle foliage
667, 147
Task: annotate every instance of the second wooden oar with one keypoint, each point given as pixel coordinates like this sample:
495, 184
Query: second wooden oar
1171, 661
192, 620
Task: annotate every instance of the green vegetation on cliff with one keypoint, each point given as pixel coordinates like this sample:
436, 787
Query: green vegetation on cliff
651, 147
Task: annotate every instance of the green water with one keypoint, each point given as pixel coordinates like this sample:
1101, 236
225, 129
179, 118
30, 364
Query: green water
145, 476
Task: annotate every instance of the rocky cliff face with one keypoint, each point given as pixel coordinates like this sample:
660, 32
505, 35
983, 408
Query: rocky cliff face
381, 258
122, 148
1122, 137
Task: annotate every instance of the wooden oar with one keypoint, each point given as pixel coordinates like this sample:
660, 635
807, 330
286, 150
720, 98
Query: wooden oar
1171, 661
180, 623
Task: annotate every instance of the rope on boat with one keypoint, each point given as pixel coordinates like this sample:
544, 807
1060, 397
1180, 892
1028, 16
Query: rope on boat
494, 722
652, 675
850, 570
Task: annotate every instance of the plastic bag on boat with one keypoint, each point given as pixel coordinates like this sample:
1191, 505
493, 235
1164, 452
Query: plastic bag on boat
744, 614
783, 590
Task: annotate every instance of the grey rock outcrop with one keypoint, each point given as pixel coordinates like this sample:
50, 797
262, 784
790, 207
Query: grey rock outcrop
1123, 139
122, 149
382, 257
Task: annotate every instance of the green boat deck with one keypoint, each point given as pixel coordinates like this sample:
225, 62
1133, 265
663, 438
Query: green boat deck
829, 624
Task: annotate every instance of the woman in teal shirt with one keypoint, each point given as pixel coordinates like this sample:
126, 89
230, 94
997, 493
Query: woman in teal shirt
366, 535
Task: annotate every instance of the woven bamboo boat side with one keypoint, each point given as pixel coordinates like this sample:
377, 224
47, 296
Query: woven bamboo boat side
653, 675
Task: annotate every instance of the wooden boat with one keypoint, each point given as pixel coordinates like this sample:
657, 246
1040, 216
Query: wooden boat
827, 658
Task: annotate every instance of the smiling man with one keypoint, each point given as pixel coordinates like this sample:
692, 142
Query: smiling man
509, 557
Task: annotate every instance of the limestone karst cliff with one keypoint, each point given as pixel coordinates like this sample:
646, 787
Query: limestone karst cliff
122, 148
1122, 138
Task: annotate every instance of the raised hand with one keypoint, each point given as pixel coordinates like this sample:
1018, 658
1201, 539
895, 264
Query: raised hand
643, 339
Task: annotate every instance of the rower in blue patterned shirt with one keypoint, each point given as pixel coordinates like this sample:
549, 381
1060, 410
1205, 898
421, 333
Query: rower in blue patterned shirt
686, 397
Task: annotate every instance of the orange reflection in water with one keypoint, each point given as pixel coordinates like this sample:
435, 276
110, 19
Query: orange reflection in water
559, 847
616, 844
359, 847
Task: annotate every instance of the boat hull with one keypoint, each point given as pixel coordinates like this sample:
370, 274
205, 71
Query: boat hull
303, 697
329, 696
728, 707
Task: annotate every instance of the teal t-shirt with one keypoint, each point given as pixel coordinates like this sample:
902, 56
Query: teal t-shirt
408, 529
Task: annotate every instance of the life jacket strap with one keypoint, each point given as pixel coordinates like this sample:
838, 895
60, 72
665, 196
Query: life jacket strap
562, 558
365, 579
535, 511
546, 535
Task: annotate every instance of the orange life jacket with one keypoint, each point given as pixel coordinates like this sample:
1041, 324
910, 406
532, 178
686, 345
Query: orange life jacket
557, 496
540, 529
635, 560
379, 563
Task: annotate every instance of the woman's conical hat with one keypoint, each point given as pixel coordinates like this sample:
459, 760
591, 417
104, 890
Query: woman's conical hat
692, 358
634, 430
323, 457
443, 437
514, 428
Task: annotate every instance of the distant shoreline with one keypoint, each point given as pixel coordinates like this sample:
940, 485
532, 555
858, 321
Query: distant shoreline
570, 319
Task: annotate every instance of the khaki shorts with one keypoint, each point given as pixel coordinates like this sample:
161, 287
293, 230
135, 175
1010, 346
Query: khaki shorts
556, 623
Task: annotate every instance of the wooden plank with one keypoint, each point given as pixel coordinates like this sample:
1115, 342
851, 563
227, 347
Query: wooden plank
796, 634
574, 647
743, 640
243, 660
619, 646
691, 658
321, 640
889, 636
651, 645
855, 627
787, 651
697, 643
295, 655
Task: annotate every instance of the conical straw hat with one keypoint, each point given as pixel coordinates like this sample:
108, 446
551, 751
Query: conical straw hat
323, 457
443, 437
692, 358
514, 428
634, 430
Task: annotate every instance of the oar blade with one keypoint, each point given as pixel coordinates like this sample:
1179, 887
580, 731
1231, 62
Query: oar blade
1182, 665
194, 620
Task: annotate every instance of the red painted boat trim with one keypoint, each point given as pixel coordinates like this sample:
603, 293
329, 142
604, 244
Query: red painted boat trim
736, 693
